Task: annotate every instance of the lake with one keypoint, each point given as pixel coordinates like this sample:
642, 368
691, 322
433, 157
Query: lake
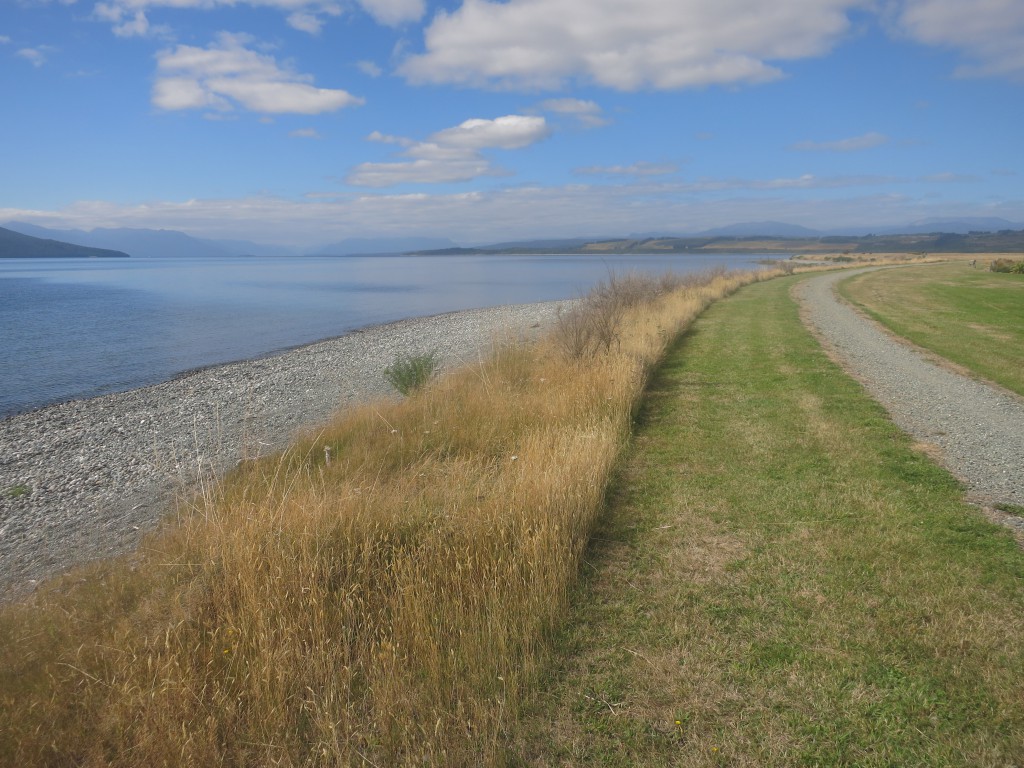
78, 328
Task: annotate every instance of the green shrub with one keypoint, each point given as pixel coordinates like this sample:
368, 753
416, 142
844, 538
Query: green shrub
17, 491
1007, 265
410, 372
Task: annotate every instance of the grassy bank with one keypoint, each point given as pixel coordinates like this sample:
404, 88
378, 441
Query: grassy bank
781, 579
380, 594
970, 316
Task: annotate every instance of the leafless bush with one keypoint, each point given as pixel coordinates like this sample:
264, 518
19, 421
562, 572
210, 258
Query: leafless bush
592, 325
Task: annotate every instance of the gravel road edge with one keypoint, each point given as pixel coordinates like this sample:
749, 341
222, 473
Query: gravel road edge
975, 429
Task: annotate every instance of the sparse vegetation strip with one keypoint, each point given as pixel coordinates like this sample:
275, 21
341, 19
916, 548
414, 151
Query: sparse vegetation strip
378, 594
782, 579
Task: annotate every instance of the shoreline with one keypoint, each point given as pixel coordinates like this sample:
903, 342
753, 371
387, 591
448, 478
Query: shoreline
86, 479
288, 349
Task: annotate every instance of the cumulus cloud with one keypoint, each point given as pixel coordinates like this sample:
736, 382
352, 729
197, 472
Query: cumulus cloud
227, 74
305, 133
636, 169
509, 132
129, 17
854, 144
662, 44
4, 40
454, 154
127, 22
988, 33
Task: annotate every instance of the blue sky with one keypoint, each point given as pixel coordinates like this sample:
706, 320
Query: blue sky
307, 121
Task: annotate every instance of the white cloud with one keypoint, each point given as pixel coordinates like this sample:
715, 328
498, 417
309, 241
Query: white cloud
4, 40
571, 106
394, 12
137, 26
588, 113
384, 138
34, 56
421, 171
453, 154
129, 17
989, 33
662, 44
227, 73
305, 133
306, 22
854, 144
369, 68
639, 169
509, 132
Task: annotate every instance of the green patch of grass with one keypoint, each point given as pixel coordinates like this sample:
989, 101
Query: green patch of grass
1013, 509
17, 491
970, 316
409, 373
780, 579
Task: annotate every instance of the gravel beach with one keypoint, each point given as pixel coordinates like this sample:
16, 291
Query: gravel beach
978, 428
86, 479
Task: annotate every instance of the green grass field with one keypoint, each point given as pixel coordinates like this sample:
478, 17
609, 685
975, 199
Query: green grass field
781, 579
972, 317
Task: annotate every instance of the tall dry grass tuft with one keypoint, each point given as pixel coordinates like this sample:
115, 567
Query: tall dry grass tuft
380, 593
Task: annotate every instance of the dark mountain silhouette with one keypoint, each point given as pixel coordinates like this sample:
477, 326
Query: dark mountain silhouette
15, 245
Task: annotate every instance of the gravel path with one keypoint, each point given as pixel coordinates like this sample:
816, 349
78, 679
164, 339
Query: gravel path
88, 478
977, 427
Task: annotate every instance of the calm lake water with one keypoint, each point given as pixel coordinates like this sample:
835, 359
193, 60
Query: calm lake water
77, 328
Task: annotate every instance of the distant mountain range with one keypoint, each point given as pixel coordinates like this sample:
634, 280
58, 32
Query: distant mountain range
760, 229
151, 243
367, 246
168, 243
15, 245
952, 226
165, 243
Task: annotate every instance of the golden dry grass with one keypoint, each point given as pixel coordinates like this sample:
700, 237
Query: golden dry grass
388, 606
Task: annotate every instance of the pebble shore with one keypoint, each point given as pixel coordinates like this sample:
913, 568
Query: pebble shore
87, 479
